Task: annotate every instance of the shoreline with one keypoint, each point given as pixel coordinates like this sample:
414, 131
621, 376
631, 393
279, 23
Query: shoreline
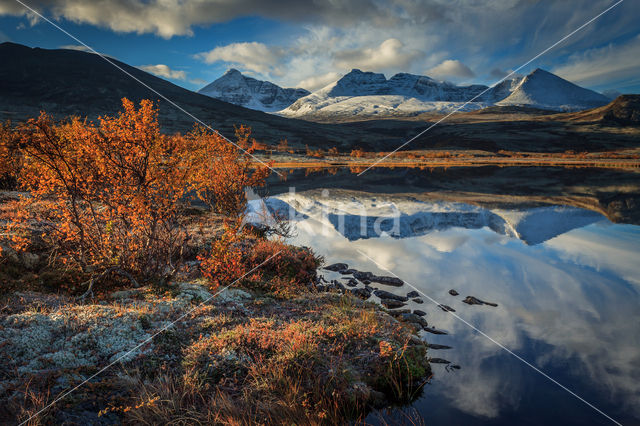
475, 162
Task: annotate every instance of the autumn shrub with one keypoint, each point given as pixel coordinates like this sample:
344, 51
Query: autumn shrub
283, 145
292, 267
219, 172
223, 262
357, 153
9, 158
117, 190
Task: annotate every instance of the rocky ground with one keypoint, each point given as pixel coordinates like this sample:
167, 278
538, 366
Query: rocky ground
185, 353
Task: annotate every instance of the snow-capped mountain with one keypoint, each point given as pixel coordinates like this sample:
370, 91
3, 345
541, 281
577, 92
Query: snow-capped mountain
542, 89
235, 88
360, 216
363, 94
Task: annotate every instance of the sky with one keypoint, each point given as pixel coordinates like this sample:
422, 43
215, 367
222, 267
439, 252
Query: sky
310, 44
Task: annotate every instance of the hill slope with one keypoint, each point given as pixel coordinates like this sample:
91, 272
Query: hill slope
238, 89
69, 82
624, 111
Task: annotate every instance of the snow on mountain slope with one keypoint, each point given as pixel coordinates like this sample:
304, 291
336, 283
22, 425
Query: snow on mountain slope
542, 89
368, 94
235, 88
359, 216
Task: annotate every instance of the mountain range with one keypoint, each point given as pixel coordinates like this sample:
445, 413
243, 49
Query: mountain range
367, 94
357, 215
66, 82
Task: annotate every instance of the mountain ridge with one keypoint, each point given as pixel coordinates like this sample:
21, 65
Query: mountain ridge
66, 82
369, 94
248, 92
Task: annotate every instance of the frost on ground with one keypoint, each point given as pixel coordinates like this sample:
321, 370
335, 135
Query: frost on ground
71, 336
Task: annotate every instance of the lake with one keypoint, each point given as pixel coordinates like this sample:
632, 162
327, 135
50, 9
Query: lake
565, 277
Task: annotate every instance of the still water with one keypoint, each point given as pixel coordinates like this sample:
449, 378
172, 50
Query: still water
566, 281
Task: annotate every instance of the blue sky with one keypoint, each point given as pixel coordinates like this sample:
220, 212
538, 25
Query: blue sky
293, 43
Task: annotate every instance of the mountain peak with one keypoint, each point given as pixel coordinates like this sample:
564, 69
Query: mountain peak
540, 71
236, 88
543, 89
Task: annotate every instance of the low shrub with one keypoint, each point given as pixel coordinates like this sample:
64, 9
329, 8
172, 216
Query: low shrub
117, 191
291, 267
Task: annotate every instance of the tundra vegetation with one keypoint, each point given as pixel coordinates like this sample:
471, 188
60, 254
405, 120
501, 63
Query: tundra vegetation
112, 231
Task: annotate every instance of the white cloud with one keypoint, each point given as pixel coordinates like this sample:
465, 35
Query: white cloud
162, 70
451, 69
78, 47
317, 82
198, 81
252, 56
391, 53
612, 63
168, 18
374, 35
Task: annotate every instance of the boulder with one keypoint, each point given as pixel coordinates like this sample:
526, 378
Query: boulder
419, 312
438, 361
434, 331
230, 295
413, 294
414, 319
363, 275
337, 267
446, 308
392, 304
382, 294
393, 281
398, 312
453, 292
470, 300
352, 283
362, 293
435, 346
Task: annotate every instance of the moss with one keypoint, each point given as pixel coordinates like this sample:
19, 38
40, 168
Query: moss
292, 355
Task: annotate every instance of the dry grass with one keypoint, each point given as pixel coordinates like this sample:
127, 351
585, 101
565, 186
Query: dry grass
323, 359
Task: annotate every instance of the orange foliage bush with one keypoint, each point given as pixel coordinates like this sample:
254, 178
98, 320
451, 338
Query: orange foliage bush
291, 267
223, 263
116, 190
9, 159
283, 145
219, 172
357, 153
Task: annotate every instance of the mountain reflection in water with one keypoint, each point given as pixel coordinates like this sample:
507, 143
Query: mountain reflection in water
566, 281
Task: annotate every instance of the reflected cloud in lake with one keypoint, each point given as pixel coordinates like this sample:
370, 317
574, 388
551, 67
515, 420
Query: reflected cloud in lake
565, 281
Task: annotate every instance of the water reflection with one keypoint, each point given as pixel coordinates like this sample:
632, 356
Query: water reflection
566, 283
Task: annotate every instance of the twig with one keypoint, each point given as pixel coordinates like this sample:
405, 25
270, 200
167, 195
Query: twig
115, 270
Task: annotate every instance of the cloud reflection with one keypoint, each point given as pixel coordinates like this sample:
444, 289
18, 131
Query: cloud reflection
568, 305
